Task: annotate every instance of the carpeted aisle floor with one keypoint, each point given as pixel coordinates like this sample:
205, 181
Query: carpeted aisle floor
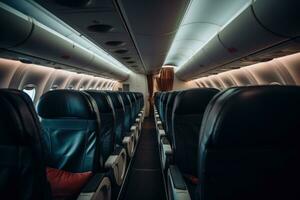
145, 179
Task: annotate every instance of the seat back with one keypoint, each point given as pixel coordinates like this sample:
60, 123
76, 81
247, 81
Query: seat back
156, 99
133, 103
119, 116
107, 118
128, 120
141, 97
188, 110
160, 109
71, 130
22, 167
249, 148
164, 106
168, 112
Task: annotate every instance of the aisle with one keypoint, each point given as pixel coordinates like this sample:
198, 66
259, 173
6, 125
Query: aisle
145, 179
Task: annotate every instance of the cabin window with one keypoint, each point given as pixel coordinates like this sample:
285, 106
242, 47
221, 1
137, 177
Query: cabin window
30, 91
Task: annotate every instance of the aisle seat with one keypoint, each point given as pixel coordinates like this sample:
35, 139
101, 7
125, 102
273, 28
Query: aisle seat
249, 145
188, 110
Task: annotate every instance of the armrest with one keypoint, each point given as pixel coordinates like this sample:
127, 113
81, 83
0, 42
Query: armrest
166, 152
161, 133
159, 125
176, 185
129, 144
98, 186
134, 130
117, 163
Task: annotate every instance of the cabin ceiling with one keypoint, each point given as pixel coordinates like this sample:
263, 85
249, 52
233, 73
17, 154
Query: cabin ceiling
202, 21
125, 29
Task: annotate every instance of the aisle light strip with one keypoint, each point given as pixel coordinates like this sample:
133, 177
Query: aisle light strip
34, 10
171, 51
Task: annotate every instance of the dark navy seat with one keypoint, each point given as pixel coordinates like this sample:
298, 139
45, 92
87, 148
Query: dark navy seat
71, 130
123, 138
161, 105
72, 139
114, 156
164, 136
164, 105
134, 105
119, 114
22, 167
134, 114
187, 114
249, 147
156, 99
168, 112
128, 119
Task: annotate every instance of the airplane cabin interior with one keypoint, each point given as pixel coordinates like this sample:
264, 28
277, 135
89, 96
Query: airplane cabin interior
149, 99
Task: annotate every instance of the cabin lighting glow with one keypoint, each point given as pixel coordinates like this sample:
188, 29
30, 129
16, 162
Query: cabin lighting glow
203, 20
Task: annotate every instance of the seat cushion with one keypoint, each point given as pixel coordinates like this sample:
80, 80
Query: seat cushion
66, 184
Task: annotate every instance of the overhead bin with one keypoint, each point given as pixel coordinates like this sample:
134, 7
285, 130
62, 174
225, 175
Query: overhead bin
46, 43
15, 27
197, 63
43, 43
245, 35
280, 17
258, 34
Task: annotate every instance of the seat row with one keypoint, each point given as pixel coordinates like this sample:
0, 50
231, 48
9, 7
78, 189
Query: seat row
240, 143
74, 145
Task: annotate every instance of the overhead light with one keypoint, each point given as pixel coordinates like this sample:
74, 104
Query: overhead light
33, 9
203, 20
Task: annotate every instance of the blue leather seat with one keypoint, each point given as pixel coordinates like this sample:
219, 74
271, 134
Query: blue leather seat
71, 131
156, 99
160, 106
119, 114
124, 138
164, 105
114, 155
168, 112
249, 145
128, 118
134, 105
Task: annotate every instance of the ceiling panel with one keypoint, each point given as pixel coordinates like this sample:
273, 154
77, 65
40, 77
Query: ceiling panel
102, 24
153, 25
202, 21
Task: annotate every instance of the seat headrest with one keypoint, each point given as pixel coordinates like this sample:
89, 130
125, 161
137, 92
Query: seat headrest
171, 99
253, 116
102, 100
67, 104
116, 100
193, 101
125, 98
132, 97
165, 98
19, 123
